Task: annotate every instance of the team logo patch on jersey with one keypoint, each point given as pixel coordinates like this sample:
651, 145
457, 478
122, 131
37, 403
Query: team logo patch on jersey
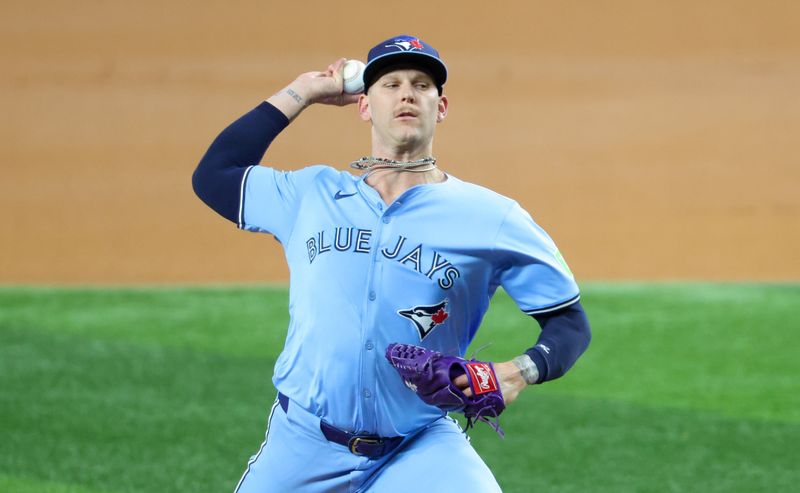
426, 317
482, 377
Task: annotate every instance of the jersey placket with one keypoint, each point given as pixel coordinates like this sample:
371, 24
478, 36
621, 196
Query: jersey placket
370, 353
368, 349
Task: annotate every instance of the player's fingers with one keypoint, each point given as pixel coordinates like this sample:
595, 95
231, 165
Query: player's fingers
462, 382
337, 65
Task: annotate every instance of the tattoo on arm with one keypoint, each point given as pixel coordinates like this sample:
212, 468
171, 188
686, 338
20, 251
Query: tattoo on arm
295, 96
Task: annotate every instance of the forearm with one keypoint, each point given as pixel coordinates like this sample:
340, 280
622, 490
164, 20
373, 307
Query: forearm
565, 336
291, 100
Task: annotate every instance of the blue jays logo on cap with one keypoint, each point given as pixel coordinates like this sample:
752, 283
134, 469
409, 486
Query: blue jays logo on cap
405, 45
404, 49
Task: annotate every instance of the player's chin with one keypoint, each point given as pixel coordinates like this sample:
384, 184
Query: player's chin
411, 130
407, 123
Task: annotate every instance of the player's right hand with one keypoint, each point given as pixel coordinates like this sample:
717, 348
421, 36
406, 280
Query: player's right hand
326, 87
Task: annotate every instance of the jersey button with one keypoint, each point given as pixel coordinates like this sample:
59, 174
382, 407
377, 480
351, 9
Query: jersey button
372, 296
369, 346
367, 393
386, 220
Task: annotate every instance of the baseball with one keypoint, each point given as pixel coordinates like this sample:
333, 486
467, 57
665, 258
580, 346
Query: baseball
352, 73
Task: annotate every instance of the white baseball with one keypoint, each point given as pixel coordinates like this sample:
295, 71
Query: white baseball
353, 75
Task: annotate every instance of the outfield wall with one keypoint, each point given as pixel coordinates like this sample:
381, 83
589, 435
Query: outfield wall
653, 140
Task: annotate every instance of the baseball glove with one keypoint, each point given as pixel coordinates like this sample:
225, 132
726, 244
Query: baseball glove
430, 374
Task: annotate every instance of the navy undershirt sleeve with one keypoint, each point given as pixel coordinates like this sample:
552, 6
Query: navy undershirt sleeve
218, 178
565, 336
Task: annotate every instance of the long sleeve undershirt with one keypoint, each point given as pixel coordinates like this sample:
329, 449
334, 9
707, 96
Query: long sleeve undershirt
565, 336
218, 178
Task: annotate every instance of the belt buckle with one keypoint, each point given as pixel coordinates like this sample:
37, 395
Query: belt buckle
355, 441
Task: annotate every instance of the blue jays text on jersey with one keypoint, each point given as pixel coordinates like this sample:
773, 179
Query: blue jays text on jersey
364, 274
424, 261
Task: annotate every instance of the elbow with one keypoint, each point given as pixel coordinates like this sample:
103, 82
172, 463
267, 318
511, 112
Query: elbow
219, 188
582, 330
197, 183
205, 178
587, 337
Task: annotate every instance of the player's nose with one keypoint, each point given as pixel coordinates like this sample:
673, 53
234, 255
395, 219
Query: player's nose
407, 92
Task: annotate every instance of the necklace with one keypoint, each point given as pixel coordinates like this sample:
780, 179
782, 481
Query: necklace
371, 163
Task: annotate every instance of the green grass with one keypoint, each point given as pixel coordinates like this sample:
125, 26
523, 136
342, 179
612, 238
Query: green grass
686, 387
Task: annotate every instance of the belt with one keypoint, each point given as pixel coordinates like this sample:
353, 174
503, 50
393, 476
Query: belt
370, 446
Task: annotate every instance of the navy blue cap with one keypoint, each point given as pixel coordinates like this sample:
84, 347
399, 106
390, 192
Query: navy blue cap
404, 49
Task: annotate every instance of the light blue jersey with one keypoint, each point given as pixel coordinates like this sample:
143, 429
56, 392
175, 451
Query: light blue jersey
365, 274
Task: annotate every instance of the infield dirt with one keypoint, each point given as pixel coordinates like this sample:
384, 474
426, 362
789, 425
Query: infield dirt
652, 140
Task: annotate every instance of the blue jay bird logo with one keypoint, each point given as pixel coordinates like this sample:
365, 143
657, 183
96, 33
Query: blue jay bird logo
406, 45
426, 317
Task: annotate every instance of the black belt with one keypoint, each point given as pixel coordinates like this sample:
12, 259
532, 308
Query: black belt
371, 446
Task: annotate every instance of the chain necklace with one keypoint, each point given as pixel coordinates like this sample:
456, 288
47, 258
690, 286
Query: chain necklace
371, 163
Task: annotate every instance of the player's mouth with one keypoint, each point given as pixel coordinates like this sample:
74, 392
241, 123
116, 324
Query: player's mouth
405, 115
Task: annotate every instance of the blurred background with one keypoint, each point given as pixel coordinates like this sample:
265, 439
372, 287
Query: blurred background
652, 140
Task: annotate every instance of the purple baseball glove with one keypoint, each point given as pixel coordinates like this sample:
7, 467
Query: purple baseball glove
430, 374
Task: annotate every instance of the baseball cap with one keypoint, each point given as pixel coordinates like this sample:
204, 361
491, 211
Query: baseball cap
404, 49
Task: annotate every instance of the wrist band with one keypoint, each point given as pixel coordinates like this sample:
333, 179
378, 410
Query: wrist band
527, 368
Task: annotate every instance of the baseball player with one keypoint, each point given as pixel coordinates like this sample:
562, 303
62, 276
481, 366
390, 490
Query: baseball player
399, 260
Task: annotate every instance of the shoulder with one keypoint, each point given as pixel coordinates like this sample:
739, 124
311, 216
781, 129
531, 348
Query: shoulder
480, 199
496, 211
327, 177
318, 173
326, 172
478, 191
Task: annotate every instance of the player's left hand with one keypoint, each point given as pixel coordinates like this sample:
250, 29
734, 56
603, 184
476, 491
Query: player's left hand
509, 377
430, 375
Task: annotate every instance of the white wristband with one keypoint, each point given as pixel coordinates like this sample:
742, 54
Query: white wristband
527, 368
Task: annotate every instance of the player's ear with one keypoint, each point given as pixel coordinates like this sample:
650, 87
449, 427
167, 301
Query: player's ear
363, 108
442, 110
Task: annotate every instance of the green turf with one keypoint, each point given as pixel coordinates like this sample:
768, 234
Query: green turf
14, 484
686, 387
